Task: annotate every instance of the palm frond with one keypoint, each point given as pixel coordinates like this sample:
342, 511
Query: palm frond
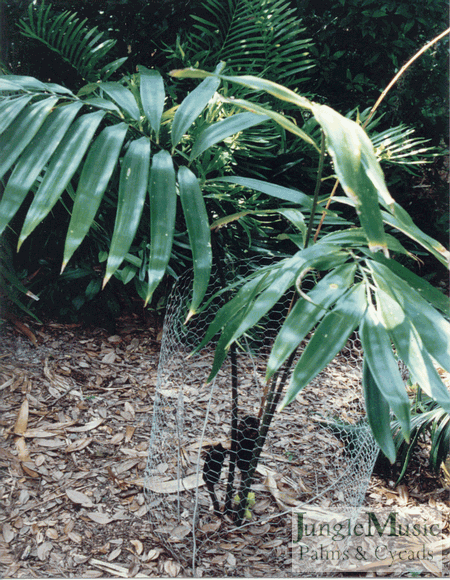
81, 47
261, 37
395, 145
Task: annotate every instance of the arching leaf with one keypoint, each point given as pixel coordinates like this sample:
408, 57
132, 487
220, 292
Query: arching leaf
10, 109
328, 339
305, 314
21, 131
97, 171
378, 414
33, 160
163, 202
152, 96
196, 218
123, 97
61, 169
383, 367
132, 190
223, 129
191, 108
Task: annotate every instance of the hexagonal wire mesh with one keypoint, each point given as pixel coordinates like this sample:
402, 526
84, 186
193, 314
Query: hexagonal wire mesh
307, 458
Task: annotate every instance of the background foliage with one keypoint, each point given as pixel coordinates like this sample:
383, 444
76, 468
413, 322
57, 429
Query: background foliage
347, 56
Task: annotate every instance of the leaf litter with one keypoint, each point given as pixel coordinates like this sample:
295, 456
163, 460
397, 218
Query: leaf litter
75, 419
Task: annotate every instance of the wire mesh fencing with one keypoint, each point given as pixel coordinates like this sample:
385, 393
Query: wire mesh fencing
318, 452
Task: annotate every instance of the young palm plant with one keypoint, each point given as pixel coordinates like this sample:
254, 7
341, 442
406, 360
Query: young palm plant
116, 141
396, 312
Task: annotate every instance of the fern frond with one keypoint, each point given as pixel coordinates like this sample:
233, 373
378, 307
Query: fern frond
67, 35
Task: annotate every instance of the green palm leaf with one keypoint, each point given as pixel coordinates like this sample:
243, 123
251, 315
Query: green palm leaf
10, 108
261, 37
132, 191
21, 131
61, 169
97, 171
196, 218
328, 339
67, 35
306, 314
163, 200
152, 97
33, 160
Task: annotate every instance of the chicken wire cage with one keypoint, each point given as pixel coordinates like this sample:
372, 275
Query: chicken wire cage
318, 452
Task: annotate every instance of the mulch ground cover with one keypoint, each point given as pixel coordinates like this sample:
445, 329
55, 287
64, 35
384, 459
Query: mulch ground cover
75, 417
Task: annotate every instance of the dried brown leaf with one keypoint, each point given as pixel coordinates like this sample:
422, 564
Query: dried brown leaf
129, 433
213, 527
22, 419
152, 555
40, 433
159, 485
100, 517
75, 537
114, 554
79, 444
22, 449
78, 497
110, 357
29, 471
52, 533
138, 546
88, 427
8, 532
44, 550
172, 568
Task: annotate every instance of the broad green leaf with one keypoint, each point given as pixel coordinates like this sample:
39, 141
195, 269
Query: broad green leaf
100, 103
305, 314
196, 218
231, 326
296, 218
378, 414
358, 171
163, 205
58, 89
432, 327
123, 97
319, 256
133, 185
357, 237
280, 119
294, 215
239, 302
328, 340
152, 96
223, 129
271, 189
384, 369
33, 160
437, 298
111, 68
97, 171
10, 110
411, 350
401, 220
24, 83
191, 107
250, 82
6, 86
21, 131
61, 169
